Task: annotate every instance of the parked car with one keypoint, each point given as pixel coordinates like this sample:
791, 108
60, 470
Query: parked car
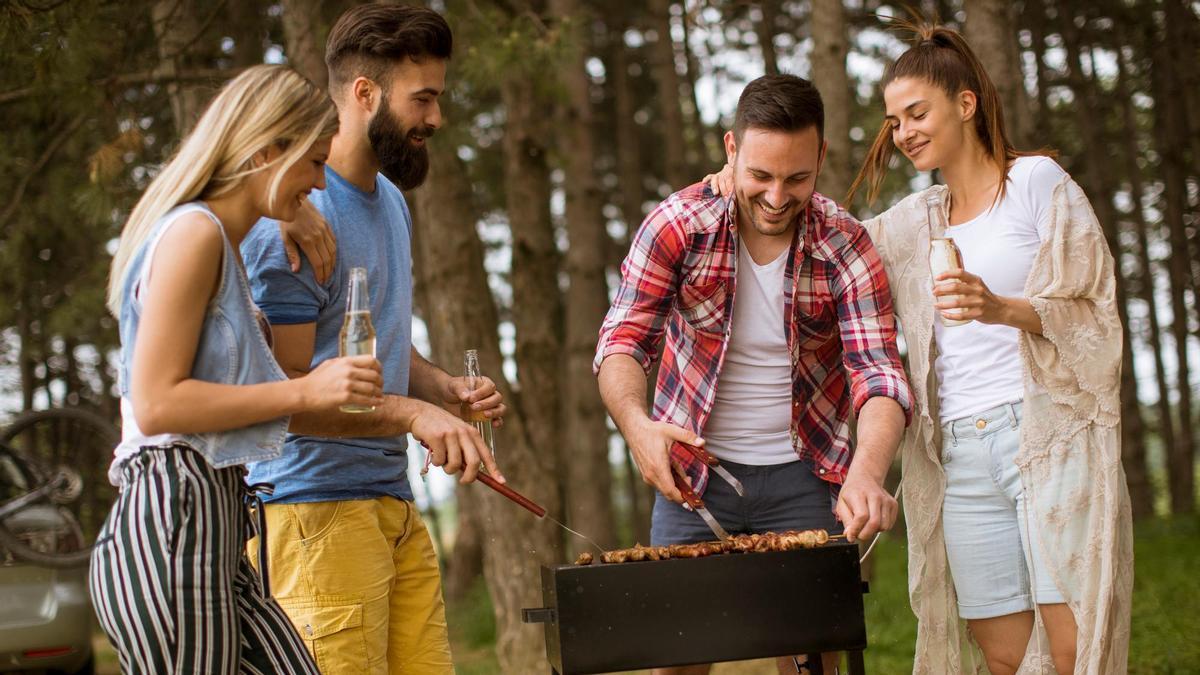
46, 616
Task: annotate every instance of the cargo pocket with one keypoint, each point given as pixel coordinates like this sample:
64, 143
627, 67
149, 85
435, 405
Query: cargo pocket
332, 629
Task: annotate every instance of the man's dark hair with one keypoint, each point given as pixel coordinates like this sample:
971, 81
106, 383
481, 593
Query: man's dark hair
779, 103
370, 38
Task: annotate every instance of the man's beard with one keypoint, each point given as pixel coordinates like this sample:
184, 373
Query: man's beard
403, 163
749, 207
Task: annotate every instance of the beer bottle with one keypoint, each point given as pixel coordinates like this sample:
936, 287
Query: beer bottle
358, 335
944, 256
483, 424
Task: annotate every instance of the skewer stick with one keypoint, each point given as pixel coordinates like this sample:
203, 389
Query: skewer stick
512, 494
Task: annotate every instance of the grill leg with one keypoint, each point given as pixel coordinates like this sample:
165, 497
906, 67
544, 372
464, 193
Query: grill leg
854, 663
815, 665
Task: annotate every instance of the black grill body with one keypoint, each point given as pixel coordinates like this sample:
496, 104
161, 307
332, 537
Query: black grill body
726, 607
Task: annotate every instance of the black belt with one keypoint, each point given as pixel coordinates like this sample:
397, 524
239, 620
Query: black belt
253, 500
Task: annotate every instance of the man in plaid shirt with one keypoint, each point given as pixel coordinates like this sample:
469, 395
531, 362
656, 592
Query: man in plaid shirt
768, 380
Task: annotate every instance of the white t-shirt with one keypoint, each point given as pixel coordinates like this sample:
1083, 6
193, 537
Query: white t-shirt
751, 419
978, 365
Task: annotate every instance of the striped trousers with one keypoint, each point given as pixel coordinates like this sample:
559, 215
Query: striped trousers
170, 580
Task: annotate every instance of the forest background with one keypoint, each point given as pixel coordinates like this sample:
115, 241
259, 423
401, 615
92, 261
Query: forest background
566, 121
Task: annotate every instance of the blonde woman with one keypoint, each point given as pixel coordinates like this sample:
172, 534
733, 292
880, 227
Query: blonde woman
201, 393
1014, 496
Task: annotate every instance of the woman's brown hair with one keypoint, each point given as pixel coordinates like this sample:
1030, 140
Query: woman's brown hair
942, 57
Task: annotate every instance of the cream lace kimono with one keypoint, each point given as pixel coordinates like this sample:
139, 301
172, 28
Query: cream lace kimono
1070, 458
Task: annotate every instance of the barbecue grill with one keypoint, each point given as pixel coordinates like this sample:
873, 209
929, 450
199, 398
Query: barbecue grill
682, 611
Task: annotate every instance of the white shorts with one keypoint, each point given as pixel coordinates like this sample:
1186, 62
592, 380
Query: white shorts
995, 568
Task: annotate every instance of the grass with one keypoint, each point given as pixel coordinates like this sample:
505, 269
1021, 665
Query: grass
1166, 598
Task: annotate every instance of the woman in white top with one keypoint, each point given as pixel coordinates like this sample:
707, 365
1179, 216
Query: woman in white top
1014, 494
1014, 497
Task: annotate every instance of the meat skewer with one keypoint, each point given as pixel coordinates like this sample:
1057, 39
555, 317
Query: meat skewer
742, 543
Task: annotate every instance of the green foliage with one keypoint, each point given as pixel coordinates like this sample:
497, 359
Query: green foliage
496, 44
1165, 597
472, 626
891, 625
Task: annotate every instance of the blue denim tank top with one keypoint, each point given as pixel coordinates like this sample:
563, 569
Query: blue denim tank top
232, 349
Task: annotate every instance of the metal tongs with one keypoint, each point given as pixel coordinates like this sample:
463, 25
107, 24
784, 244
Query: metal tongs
690, 497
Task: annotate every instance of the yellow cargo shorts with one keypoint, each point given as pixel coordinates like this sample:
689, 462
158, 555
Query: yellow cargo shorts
359, 580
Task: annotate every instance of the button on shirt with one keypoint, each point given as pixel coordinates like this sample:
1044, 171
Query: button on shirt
679, 279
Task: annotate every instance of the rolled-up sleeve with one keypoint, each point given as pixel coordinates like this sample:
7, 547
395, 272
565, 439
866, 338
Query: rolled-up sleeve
868, 326
649, 278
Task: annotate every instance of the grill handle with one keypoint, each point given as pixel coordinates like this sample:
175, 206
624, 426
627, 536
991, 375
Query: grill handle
539, 615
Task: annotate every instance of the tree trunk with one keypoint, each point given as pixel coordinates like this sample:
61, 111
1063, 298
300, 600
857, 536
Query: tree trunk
1035, 20
628, 151
537, 300
633, 193
585, 462
765, 29
1186, 42
461, 315
675, 171
698, 147
25, 355
1166, 426
1170, 141
109, 403
465, 563
454, 329
639, 513
72, 385
829, 74
304, 39
1181, 32
991, 30
245, 22
177, 27
1101, 190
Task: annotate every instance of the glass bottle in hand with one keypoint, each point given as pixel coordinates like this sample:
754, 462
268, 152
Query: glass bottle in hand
944, 256
483, 424
358, 335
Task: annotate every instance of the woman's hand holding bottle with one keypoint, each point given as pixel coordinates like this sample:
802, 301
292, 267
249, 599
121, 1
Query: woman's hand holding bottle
346, 380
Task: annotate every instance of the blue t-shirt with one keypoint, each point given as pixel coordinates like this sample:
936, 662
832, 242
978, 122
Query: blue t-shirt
374, 231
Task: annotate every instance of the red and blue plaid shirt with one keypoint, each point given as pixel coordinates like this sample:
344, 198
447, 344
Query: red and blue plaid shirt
680, 276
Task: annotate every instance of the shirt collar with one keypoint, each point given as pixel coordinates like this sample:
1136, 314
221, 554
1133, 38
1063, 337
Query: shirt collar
803, 223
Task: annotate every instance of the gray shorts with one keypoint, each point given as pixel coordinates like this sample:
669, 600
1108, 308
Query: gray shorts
778, 497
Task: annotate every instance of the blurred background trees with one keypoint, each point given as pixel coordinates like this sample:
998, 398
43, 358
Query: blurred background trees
566, 121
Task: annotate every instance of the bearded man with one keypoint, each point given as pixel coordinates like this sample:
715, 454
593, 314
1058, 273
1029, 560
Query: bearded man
348, 556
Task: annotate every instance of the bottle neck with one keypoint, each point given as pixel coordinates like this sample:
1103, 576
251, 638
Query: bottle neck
358, 300
937, 221
471, 366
